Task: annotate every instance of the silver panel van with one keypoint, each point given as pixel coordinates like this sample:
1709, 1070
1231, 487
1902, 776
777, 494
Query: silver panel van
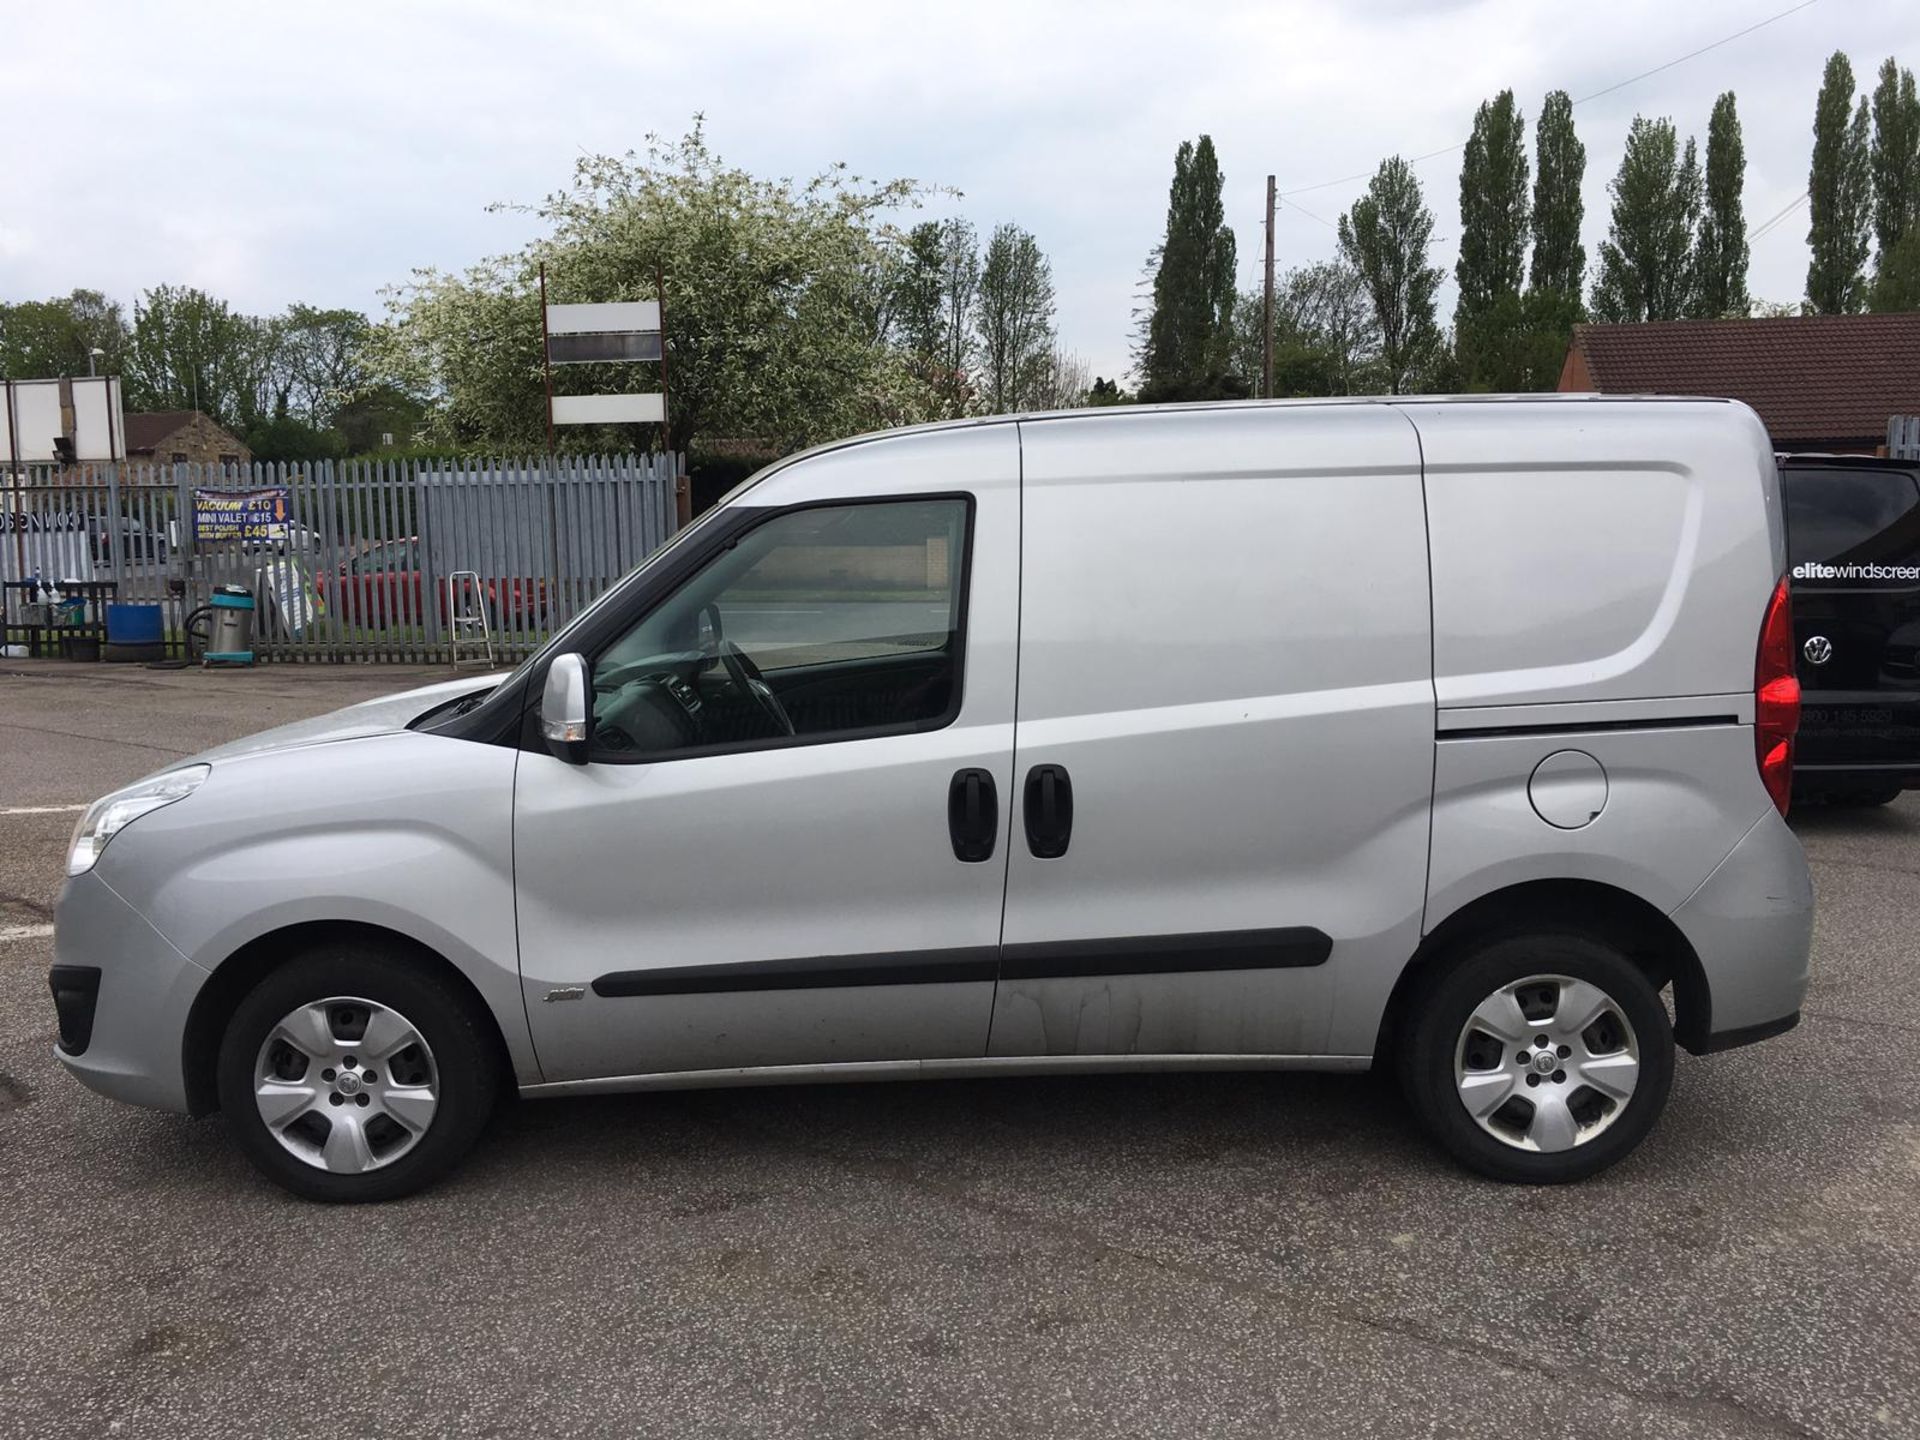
1438, 735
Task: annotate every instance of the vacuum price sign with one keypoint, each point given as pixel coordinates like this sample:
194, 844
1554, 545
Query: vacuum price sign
241, 514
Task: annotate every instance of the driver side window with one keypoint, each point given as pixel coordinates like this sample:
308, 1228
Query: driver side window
832, 622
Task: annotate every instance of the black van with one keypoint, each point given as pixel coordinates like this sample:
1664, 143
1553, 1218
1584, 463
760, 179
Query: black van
1853, 548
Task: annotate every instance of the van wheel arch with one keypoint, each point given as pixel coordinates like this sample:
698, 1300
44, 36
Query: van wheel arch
235, 976
1586, 907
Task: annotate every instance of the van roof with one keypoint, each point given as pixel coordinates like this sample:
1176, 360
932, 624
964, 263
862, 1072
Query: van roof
1088, 412
1545, 397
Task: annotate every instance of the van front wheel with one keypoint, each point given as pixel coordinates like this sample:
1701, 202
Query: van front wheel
351, 1074
1538, 1058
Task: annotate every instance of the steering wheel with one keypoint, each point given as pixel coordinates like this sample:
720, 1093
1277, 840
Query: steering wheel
746, 675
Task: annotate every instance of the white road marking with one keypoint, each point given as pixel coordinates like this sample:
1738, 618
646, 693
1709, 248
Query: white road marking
24, 932
43, 810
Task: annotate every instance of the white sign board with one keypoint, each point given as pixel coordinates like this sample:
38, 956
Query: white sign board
601, 319
99, 428
609, 409
33, 420
285, 584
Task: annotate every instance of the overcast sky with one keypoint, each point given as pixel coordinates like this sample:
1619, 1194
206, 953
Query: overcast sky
274, 152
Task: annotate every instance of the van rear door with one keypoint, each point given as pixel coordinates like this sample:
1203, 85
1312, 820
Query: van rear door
1224, 732
1853, 541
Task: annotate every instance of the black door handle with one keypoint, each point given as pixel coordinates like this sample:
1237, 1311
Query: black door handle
1049, 809
973, 815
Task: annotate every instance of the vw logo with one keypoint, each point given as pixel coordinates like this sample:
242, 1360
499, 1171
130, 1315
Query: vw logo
1818, 650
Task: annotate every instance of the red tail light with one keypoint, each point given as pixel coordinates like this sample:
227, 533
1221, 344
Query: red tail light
1776, 698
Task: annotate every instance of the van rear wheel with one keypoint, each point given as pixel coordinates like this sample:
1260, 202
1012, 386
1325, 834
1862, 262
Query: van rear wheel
1538, 1058
353, 1073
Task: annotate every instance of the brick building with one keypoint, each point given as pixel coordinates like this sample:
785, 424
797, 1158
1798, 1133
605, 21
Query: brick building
1818, 382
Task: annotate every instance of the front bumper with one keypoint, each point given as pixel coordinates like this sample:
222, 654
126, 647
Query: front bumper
145, 988
1751, 925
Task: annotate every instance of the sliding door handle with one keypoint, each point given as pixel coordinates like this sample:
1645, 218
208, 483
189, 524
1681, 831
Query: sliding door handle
1049, 811
973, 815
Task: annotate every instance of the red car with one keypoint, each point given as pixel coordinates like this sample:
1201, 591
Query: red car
383, 586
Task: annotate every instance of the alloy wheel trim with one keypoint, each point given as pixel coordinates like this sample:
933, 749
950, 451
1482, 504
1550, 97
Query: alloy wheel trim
1523, 1101
364, 1094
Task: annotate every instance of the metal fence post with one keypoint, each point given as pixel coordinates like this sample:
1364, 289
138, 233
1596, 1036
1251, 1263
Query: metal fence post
183, 503
117, 527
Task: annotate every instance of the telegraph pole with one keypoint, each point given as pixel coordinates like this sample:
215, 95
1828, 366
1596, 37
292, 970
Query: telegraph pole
1266, 318
546, 359
682, 484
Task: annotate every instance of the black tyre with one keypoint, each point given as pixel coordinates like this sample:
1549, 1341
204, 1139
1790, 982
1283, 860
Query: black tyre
357, 1073
1537, 1058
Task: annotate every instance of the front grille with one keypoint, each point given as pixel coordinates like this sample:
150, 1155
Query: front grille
76, 992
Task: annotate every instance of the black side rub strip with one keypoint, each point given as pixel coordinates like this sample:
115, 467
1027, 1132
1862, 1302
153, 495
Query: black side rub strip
1294, 947
921, 967
1588, 727
1290, 948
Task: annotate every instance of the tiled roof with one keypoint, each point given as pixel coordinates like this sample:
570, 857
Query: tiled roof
1811, 377
148, 429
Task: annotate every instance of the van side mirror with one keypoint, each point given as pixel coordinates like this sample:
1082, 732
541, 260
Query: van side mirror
566, 708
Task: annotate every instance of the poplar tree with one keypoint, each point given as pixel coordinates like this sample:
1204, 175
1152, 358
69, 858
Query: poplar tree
1555, 285
1559, 259
1015, 318
1895, 156
1189, 329
1385, 237
1720, 252
1488, 321
1840, 195
1646, 261
1895, 163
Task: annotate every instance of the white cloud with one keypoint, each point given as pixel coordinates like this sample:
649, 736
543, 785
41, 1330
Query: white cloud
15, 242
319, 152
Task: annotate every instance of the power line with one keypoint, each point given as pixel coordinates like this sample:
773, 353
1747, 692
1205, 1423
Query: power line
1620, 85
1777, 217
1694, 54
1365, 174
1311, 216
1781, 214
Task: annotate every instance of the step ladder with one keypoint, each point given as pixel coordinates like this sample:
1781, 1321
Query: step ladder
469, 633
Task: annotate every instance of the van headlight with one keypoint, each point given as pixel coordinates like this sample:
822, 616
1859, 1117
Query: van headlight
111, 814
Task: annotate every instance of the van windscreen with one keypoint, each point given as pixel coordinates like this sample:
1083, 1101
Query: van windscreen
1851, 516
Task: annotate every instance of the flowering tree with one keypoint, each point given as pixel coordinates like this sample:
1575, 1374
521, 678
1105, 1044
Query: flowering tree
779, 299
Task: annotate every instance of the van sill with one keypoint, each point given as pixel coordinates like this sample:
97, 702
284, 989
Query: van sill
976, 1067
